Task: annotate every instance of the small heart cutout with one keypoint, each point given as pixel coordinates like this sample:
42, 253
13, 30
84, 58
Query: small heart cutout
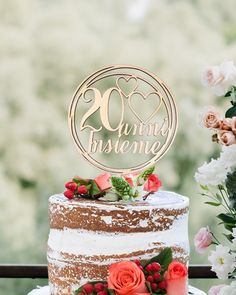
127, 85
153, 98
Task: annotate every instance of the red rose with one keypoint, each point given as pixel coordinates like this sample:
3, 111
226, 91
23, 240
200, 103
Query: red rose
126, 277
176, 279
152, 184
103, 181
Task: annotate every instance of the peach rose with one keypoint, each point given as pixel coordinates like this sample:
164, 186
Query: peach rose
211, 119
126, 277
227, 138
176, 279
103, 181
152, 184
233, 125
202, 239
226, 124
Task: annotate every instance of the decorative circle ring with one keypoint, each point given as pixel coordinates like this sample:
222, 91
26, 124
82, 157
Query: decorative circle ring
122, 119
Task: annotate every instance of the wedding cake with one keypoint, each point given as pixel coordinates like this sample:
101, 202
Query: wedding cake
87, 236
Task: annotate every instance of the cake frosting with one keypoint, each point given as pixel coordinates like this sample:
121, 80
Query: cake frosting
86, 236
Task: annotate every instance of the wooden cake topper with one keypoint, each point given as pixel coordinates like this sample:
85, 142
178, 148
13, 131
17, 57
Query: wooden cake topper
122, 119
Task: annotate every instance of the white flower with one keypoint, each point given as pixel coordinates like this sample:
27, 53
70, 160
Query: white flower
234, 235
229, 290
228, 156
212, 173
215, 290
220, 78
222, 261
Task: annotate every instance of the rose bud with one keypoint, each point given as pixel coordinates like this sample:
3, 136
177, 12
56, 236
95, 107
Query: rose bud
71, 185
152, 184
82, 190
69, 194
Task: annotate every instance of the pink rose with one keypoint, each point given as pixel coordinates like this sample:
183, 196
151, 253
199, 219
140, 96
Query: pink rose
202, 239
227, 138
233, 125
226, 124
215, 290
211, 119
152, 184
176, 279
129, 179
125, 278
103, 181
211, 76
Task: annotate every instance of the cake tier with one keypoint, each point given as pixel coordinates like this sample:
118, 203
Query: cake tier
86, 236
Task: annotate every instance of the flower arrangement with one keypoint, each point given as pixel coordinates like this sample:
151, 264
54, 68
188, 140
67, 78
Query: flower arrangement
108, 187
218, 178
160, 275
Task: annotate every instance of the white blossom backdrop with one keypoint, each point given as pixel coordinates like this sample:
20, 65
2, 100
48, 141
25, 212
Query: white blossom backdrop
46, 49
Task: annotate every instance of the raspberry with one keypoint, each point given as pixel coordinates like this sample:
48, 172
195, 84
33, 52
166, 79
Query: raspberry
72, 186
149, 268
82, 190
162, 285
153, 286
88, 288
156, 266
156, 276
69, 194
150, 279
99, 287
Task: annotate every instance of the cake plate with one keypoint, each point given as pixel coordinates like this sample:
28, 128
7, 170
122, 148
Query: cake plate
45, 291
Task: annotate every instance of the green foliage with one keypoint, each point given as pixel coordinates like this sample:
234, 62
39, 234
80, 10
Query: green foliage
165, 257
144, 175
122, 188
229, 220
231, 112
230, 184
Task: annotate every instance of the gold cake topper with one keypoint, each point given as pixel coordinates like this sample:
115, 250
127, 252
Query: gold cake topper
122, 119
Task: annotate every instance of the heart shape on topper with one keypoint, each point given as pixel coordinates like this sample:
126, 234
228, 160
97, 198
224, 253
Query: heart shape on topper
144, 97
127, 85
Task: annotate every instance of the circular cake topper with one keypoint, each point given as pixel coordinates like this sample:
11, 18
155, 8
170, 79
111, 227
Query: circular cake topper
122, 119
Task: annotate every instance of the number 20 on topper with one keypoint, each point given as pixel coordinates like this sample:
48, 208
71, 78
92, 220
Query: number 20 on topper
124, 113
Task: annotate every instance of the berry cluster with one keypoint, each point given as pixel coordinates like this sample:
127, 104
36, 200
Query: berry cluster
153, 275
74, 189
97, 288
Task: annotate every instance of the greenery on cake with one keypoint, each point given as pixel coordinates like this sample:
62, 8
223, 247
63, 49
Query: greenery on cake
158, 276
108, 187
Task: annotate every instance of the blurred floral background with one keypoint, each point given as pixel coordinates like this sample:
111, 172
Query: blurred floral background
46, 49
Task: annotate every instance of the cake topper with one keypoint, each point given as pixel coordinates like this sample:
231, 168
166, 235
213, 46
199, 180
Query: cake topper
122, 119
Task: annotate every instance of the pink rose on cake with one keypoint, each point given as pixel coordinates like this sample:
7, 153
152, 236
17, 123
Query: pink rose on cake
202, 239
103, 181
126, 277
152, 184
227, 138
211, 118
176, 279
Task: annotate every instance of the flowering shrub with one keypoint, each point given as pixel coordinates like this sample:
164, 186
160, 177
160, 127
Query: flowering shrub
218, 177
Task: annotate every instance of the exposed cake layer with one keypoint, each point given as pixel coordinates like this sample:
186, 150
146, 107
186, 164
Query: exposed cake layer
87, 236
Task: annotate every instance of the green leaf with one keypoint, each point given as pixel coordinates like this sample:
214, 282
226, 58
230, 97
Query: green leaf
226, 218
81, 181
94, 189
165, 257
144, 175
219, 198
204, 187
121, 187
213, 204
231, 112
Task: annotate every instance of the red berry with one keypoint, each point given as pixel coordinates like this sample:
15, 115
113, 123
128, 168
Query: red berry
69, 194
150, 279
149, 268
71, 185
80, 293
102, 293
162, 285
136, 261
99, 287
88, 288
153, 286
82, 190
156, 276
156, 266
